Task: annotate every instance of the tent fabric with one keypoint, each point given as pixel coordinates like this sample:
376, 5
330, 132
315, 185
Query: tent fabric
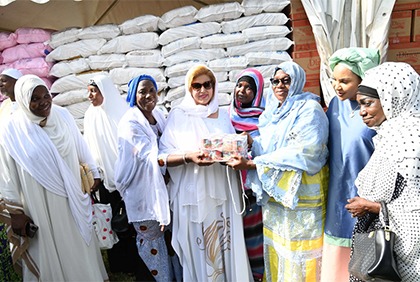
338, 24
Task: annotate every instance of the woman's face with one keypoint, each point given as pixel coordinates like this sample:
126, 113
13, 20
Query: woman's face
202, 89
345, 83
244, 93
281, 85
146, 96
41, 101
95, 95
370, 110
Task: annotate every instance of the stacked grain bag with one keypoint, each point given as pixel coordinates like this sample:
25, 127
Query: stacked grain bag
228, 38
26, 50
123, 51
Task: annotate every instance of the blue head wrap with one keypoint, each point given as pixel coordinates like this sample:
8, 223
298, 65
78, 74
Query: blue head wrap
132, 87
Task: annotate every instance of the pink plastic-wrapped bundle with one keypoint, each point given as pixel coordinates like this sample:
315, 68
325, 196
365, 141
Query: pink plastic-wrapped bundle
32, 35
7, 40
25, 51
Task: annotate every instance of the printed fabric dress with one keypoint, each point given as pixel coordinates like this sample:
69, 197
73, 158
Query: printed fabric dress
291, 181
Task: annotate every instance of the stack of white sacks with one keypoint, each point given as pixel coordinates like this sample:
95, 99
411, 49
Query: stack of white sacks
227, 37
25, 50
124, 51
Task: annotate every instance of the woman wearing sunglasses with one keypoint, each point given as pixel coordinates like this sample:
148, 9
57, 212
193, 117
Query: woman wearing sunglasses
290, 176
204, 195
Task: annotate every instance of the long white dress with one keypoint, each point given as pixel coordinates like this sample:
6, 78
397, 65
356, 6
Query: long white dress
59, 250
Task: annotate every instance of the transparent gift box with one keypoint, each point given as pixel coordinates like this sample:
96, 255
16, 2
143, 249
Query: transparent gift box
221, 147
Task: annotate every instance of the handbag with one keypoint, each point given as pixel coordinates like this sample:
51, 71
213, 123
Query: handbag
373, 253
119, 221
87, 178
102, 214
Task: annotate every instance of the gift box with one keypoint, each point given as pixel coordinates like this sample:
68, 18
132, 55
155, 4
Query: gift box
221, 147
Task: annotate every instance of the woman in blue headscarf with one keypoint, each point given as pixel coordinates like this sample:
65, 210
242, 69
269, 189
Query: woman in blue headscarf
139, 178
289, 176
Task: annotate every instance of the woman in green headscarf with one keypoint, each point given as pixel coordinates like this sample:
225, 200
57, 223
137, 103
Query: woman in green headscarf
350, 146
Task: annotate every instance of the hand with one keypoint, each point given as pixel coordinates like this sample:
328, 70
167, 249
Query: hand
238, 163
199, 158
249, 139
19, 222
96, 184
359, 206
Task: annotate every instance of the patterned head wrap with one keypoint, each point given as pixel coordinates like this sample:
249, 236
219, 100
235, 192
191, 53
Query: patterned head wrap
132, 87
356, 59
246, 119
398, 87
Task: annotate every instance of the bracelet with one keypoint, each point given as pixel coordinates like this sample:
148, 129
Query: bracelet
183, 158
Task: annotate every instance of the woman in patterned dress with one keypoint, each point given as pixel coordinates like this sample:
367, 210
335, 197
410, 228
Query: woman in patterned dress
389, 98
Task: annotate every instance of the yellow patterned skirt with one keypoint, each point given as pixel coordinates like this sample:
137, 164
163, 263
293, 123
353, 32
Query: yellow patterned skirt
293, 237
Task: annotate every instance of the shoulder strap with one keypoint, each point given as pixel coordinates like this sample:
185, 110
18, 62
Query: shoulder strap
384, 211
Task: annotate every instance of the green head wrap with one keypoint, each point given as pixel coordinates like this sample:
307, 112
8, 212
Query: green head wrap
356, 59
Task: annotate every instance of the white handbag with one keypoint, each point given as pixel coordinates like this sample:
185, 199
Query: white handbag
102, 214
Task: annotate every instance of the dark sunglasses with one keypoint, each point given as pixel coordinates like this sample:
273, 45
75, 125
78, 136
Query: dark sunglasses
285, 80
197, 86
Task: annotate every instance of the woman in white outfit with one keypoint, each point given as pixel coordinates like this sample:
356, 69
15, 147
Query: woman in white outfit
42, 151
205, 196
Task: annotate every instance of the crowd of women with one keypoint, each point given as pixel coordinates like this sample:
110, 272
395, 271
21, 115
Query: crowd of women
285, 211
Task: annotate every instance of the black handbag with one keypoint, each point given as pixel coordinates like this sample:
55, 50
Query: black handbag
373, 255
119, 221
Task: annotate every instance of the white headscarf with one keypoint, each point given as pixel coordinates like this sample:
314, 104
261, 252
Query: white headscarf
23, 93
193, 124
101, 128
188, 104
184, 130
53, 147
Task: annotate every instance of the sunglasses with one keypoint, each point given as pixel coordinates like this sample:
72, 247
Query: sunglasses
197, 86
285, 80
